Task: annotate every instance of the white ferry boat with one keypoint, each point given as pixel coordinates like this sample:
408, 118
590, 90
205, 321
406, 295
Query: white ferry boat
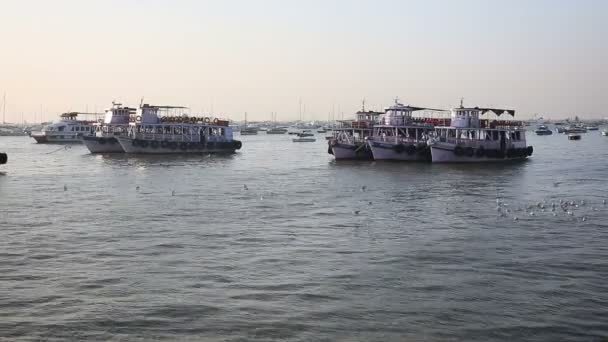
115, 123
67, 130
401, 136
471, 139
349, 138
151, 133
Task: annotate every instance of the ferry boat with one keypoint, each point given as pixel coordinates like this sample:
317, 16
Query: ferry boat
151, 133
401, 136
67, 130
348, 140
3, 158
471, 139
543, 130
115, 123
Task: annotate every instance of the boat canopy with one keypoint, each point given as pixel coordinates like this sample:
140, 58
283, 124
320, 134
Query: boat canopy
496, 111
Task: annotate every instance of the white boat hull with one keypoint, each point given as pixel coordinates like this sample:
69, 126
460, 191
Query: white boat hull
388, 151
352, 152
444, 153
66, 138
102, 145
176, 147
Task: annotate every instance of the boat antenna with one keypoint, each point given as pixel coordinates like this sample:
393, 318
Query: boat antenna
141, 102
461, 101
363, 105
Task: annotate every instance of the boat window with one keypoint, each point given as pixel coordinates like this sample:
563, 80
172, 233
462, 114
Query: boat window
518, 135
495, 135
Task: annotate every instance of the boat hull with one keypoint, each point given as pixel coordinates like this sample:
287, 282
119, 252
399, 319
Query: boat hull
57, 139
102, 145
547, 132
446, 154
400, 152
304, 140
130, 145
351, 152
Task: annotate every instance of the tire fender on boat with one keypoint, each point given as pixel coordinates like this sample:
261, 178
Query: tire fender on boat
458, 150
410, 149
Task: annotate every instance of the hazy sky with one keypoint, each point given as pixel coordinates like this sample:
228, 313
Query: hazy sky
546, 57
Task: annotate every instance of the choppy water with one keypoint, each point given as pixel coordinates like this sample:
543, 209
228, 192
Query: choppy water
175, 248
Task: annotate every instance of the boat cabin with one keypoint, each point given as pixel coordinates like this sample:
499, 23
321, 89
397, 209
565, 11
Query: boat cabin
185, 132
468, 128
118, 115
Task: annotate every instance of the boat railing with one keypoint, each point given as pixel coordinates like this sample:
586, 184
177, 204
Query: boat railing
399, 139
179, 137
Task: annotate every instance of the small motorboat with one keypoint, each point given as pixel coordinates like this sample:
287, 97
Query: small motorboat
592, 128
574, 136
302, 137
605, 132
543, 130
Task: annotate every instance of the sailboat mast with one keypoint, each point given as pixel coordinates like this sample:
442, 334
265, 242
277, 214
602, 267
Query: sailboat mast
4, 108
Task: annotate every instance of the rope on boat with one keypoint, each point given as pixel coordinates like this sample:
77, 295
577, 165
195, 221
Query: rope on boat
62, 148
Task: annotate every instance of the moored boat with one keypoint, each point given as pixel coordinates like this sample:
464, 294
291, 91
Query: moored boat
304, 138
471, 139
401, 136
115, 123
249, 131
277, 130
574, 136
575, 129
543, 130
67, 130
349, 138
605, 132
151, 133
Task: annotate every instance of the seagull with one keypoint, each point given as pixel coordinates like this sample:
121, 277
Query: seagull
137, 188
245, 187
363, 188
356, 212
584, 219
515, 218
65, 187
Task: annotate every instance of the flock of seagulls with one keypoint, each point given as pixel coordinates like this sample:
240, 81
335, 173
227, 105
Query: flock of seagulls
575, 209
568, 207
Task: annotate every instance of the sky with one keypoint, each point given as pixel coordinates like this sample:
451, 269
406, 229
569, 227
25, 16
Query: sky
539, 57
